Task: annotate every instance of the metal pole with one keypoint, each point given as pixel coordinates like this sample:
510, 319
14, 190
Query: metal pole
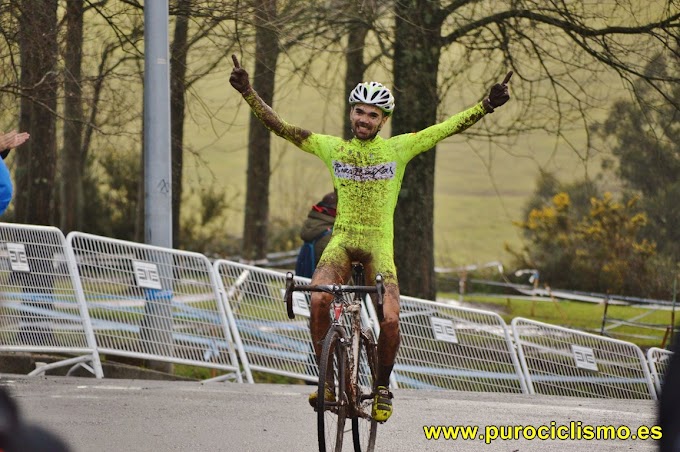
604, 315
156, 325
157, 156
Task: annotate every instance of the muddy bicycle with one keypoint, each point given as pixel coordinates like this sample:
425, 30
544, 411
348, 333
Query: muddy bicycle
348, 364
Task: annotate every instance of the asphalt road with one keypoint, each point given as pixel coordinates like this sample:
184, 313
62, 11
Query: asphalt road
142, 415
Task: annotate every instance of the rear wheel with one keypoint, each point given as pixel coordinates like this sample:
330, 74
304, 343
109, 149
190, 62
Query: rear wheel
331, 415
364, 427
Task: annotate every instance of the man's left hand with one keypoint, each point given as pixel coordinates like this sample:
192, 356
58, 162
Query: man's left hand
498, 95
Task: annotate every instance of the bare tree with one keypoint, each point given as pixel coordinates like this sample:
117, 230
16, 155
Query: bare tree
558, 51
208, 18
279, 27
178, 68
259, 139
72, 163
415, 89
120, 61
36, 169
358, 28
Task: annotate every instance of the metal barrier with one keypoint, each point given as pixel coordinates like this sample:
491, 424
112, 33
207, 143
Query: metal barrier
84, 295
561, 361
40, 306
455, 348
153, 303
272, 342
658, 360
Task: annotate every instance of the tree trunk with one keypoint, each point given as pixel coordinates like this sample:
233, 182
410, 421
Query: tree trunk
37, 162
354, 58
259, 138
178, 58
416, 64
71, 161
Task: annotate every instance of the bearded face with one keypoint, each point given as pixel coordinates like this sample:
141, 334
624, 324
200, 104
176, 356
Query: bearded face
366, 121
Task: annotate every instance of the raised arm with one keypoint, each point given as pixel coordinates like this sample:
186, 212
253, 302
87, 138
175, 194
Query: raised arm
239, 80
427, 138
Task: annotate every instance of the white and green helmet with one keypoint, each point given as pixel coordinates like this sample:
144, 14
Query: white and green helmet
373, 93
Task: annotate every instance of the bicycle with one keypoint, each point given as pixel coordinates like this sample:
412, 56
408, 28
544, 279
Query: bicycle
348, 364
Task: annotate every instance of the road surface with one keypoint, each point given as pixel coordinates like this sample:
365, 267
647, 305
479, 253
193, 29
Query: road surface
142, 415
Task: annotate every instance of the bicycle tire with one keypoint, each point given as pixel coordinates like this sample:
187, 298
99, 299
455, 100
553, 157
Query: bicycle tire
364, 427
331, 416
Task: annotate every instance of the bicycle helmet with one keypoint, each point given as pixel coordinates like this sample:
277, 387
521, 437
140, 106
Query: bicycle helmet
373, 93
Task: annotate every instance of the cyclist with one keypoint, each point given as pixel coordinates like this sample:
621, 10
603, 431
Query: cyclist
367, 172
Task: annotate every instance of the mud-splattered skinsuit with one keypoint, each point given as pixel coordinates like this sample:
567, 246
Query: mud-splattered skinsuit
367, 176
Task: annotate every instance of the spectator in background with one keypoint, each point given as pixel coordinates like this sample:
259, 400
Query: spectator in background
17, 435
8, 141
316, 233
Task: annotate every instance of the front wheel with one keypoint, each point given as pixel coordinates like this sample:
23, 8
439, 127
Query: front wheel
331, 414
364, 427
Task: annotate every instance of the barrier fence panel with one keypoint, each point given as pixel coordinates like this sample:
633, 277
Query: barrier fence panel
454, 348
154, 303
40, 308
561, 361
658, 360
272, 342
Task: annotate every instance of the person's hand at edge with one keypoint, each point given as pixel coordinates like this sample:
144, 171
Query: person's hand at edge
239, 77
498, 95
12, 139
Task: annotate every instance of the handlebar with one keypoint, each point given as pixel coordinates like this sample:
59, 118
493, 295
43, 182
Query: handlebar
333, 289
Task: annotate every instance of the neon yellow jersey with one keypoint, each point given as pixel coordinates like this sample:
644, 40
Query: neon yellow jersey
367, 176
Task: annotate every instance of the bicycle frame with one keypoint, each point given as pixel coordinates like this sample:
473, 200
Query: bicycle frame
339, 307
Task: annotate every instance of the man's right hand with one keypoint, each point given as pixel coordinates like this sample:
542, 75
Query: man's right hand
239, 77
